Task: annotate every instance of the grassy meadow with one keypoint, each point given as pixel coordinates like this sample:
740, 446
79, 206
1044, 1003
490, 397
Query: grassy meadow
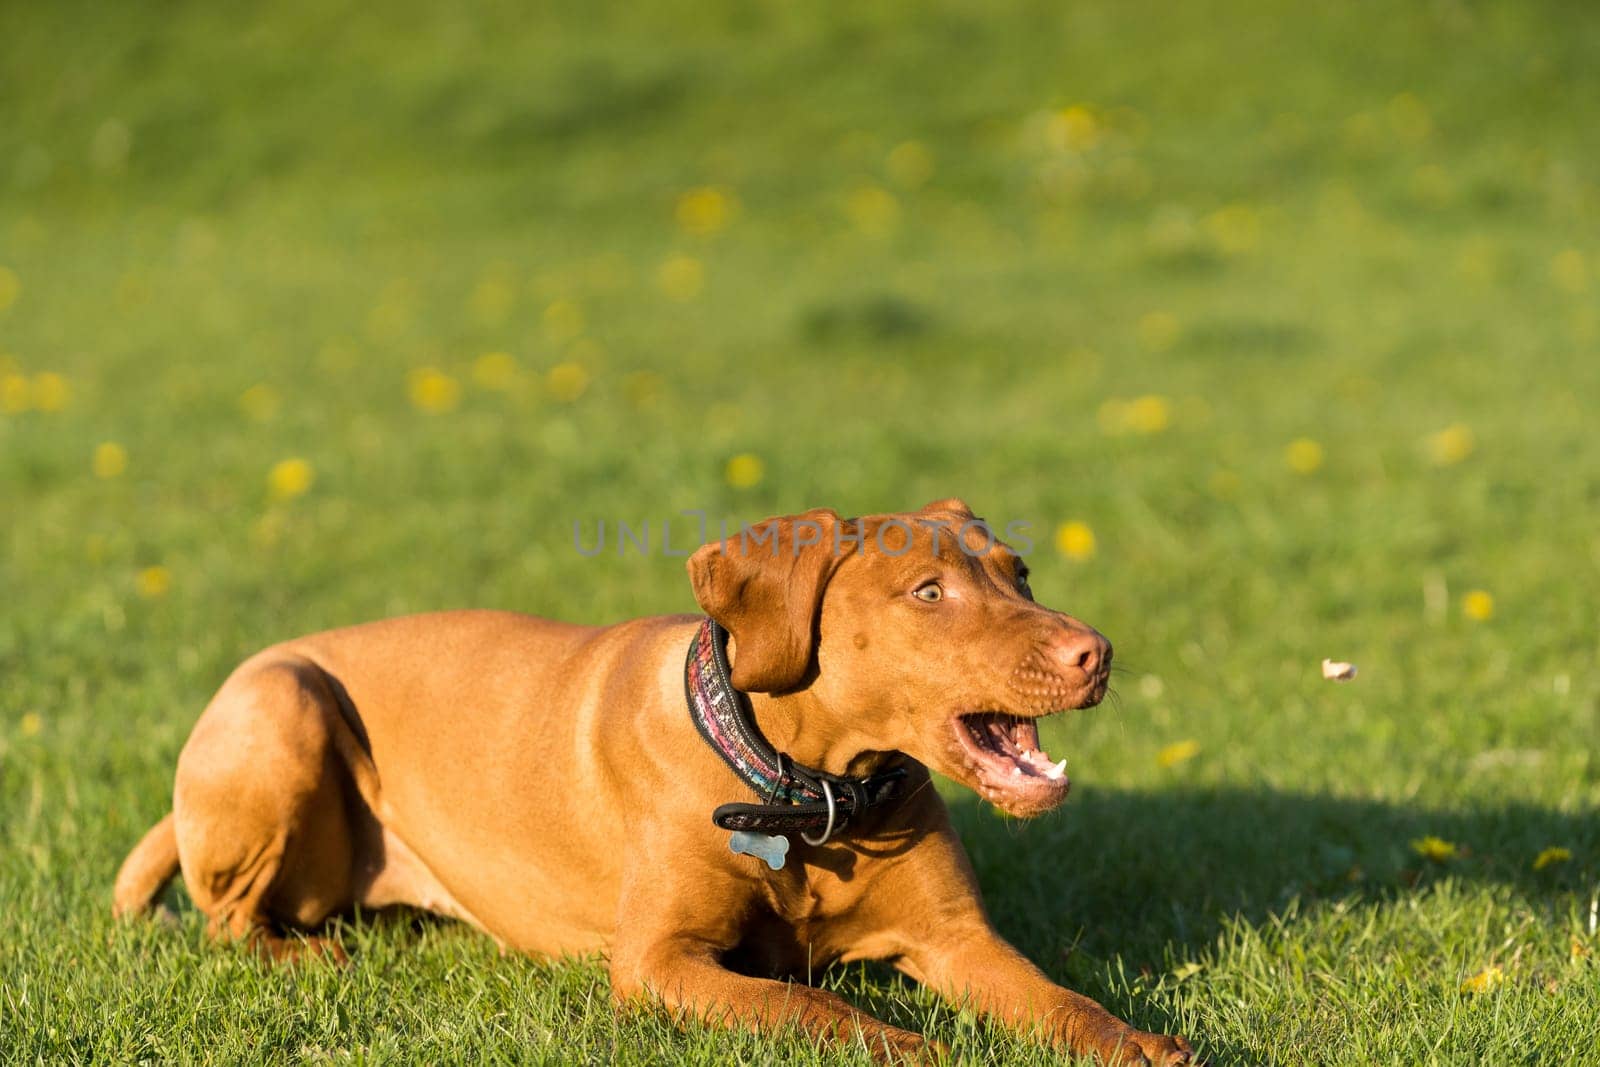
1279, 325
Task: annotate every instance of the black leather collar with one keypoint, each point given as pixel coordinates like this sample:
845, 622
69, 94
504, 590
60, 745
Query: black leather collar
796, 798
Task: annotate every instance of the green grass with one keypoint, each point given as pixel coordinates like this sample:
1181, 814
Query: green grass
1358, 225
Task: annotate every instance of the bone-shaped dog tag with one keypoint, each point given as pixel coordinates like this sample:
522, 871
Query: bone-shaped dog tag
769, 848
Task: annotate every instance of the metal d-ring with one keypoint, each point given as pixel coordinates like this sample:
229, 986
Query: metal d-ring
827, 791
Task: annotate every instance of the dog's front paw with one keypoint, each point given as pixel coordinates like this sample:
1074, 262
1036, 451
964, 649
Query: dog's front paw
905, 1047
1135, 1048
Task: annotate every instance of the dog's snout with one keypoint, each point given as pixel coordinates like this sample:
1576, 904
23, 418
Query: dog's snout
1082, 649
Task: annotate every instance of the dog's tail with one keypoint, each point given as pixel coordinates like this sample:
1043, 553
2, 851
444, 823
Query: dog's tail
147, 870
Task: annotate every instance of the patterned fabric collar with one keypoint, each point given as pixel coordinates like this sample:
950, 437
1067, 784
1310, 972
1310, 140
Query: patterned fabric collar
796, 798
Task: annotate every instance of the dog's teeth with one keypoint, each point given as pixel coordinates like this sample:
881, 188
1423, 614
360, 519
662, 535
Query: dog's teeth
1056, 770
1015, 771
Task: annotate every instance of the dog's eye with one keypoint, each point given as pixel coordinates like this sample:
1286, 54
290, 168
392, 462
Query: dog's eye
929, 592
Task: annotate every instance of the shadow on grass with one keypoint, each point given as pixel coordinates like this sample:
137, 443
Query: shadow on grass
1120, 883
1137, 873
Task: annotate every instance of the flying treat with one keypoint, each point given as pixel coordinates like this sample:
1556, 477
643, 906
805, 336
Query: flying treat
1338, 672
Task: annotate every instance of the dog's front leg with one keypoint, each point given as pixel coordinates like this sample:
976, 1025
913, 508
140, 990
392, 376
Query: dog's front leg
686, 976
675, 921
932, 924
970, 964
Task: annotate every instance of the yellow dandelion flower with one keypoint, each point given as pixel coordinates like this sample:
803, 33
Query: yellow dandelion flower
1478, 260
1149, 414
197, 240
1085, 362
1339, 204
703, 211
1484, 980
30, 724
588, 351
1235, 229
1569, 271
1303, 455
1362, 132
910, 165
108, 149
1129, 121
744, 471
1432, 185
1551, 856
1409, 118
260, 403
392, 315
1075, 539
681, 277
1450, 445
109, 460
15, 393
51, 391
153, 582
1171, 230
1584, 326
432, 391
10, 287
1195, 411
387, 321
1112, 416
1434, 848
338, 355
133, 289
497, 371
609, 272
566, 382
290, 478
1177, 752
643, 389
1074, 129
1359, 388
1478, 605
563, 321
268, 530
1127, 177
1158, 331
1224, 484
874, 211
493, 297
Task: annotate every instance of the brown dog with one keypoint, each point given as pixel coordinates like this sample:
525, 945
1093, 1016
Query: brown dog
545, 782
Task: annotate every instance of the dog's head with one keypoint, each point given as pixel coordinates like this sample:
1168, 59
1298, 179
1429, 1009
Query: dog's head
914, 633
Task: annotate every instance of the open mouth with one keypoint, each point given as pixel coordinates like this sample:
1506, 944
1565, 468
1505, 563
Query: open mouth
1012, 771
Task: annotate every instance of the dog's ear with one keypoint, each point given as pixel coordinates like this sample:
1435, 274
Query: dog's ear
954, 503
764, 586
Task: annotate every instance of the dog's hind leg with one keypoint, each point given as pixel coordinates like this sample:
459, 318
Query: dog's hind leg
263, 807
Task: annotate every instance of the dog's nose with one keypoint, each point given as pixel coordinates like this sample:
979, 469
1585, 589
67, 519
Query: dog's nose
1085, 649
